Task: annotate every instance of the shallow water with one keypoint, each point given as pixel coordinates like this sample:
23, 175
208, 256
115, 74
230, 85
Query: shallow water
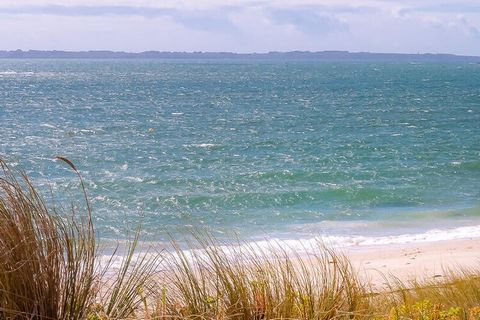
285, 149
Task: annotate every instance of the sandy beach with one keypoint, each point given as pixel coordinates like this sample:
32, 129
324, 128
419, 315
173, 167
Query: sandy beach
427, 260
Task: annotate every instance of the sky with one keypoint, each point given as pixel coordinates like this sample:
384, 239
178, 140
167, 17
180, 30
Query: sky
409, 26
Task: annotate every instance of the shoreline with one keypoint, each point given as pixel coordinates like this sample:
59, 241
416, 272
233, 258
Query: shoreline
375, 264
464, 229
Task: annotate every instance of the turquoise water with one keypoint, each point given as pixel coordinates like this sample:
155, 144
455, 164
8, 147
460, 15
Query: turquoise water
289, 149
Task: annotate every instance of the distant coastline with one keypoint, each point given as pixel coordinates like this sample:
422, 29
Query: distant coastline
275, 55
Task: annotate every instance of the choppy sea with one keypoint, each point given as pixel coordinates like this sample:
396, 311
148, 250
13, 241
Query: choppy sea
354, 152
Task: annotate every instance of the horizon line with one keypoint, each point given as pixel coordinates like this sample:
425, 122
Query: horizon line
330, 55
235, 52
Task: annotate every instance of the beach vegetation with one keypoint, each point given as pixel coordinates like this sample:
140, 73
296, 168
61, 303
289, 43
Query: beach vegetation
247, 281
457, 296
49, 259
51, 268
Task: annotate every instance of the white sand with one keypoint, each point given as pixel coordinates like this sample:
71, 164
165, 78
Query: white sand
429, 260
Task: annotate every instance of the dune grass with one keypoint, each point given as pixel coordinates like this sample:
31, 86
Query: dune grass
457, 296
46, 263
50, 269
251, 282
49, 260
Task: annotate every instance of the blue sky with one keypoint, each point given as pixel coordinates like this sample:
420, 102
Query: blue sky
450, 26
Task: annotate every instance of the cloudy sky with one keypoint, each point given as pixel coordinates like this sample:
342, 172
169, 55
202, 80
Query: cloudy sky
450, 26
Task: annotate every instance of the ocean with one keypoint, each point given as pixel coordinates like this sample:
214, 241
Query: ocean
354, 152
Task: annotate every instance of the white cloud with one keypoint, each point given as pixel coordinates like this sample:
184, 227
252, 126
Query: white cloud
242, 25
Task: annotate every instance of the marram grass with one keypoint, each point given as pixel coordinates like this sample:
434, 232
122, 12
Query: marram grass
46, 263
50, 269
250, 282
49, 261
